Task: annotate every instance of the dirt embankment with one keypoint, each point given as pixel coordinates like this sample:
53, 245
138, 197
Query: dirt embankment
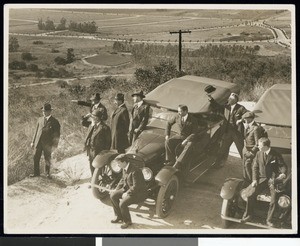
64, 204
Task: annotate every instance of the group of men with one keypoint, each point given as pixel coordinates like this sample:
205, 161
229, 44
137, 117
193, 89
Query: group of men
261, 164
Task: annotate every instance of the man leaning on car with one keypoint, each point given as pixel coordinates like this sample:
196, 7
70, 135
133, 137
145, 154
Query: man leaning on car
187, 125
268, 169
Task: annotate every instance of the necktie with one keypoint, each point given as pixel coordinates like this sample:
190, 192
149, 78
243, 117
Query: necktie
265, 157
45, 120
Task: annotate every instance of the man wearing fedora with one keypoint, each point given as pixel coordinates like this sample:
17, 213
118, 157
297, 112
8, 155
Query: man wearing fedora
98, 137
93, 104
45, 139
233, 127
131, 189
120, 125
252, 133
139, 116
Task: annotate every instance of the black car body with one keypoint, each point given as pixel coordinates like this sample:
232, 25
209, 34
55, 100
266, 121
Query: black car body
148, 150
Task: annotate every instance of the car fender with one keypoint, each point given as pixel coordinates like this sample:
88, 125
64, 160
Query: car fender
230, 187
104, 158
165, 174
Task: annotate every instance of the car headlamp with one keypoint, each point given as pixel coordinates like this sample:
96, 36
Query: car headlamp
148, 174
284, 201
115, 166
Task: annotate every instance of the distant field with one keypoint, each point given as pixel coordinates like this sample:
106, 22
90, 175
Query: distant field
107, 59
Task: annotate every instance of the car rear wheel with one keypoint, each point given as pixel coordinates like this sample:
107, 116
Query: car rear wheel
166, 197
228, 210
101, 177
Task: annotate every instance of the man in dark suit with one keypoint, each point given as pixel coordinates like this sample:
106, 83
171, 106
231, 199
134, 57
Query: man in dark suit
233, 127
252, 133
98, 137
268, 168
187, 125
139, 116
93, 104
45, 139
120, 125
130, 190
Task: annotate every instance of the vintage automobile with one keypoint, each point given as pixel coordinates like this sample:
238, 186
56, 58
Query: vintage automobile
273, 112
148, 150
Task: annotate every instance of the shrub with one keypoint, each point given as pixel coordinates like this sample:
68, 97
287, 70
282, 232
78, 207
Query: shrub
33, 67
13, 44
27, 56
38, 42
60, 61
18, 65
54, 50
62, 83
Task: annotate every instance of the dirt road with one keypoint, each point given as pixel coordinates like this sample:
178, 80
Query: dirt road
64, 204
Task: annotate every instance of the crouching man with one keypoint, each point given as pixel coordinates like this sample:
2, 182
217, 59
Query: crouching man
130, 190
268, 167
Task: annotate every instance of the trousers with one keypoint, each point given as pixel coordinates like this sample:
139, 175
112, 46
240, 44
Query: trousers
121, 205
46, 150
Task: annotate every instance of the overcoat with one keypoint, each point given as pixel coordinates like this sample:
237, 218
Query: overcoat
119, 128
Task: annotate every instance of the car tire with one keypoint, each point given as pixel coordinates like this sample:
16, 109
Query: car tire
166, 197
227, 210
98, 193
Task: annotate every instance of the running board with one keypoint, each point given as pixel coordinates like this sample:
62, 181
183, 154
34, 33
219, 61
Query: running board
246, 223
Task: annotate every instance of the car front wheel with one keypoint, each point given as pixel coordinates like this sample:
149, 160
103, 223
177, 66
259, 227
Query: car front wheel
228, 210
101, 177
166, 197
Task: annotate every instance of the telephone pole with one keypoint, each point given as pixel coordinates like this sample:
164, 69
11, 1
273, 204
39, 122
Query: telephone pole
180, 38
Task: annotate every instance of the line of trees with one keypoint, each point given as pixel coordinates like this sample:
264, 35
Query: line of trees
85, 27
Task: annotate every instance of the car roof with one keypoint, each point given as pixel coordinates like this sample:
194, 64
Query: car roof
189, 90
275, 105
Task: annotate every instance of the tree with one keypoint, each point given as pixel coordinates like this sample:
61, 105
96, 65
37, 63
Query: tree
49, 25
13, 44
70, 55
62, 24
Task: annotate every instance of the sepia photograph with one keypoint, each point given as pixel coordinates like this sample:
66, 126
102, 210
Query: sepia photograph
135, 119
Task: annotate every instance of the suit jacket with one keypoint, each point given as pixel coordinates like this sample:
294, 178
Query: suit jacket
47, 134
93, 107
97, 140
119, 128
230, 117
264, 169
133, 182
140, 117
190, 126
251, 136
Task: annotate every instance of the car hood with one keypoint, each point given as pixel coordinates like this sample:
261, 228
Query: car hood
149, 144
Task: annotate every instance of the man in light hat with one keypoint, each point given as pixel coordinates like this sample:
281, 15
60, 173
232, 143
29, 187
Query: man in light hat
139, 116
252, 133
93, 104
120, 125
45, 139
98, 137
233, 127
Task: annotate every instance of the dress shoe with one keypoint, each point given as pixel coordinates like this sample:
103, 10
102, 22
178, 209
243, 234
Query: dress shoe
269, 223
48, 176
116, 220
246, 218
34, 175
125, 225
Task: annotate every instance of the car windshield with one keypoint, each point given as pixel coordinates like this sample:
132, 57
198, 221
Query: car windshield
159, 118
